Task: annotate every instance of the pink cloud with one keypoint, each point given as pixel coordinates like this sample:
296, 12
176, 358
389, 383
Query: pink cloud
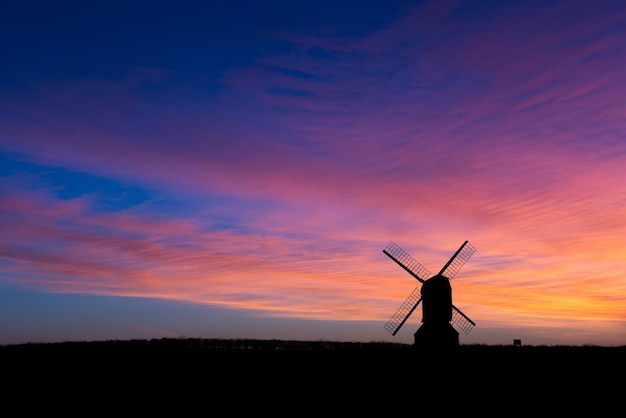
508, 135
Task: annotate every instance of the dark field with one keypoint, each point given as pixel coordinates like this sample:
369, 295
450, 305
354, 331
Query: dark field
289, 377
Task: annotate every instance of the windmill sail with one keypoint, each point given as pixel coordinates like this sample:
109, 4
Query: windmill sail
461, 320
407, 262
458, 260
404, 311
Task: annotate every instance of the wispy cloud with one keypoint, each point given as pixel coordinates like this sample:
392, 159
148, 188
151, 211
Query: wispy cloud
284, 185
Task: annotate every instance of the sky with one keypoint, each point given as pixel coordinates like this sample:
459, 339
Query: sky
197, 169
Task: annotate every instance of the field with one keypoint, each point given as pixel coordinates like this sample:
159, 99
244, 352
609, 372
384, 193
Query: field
253, 376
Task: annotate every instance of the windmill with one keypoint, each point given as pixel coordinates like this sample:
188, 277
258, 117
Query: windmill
435, 294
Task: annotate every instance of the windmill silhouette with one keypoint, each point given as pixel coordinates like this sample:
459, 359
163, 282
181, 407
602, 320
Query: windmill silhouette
435, 293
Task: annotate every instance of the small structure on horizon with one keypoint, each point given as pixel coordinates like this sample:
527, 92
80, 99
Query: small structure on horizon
517, 343
435, 294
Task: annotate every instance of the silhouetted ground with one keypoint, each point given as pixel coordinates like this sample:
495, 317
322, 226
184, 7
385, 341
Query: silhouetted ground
294, 377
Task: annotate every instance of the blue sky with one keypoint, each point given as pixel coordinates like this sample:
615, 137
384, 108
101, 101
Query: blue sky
235, 170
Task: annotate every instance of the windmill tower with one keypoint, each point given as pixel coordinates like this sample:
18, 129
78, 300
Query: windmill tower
435, 294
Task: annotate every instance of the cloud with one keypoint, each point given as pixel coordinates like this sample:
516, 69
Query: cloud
286, 183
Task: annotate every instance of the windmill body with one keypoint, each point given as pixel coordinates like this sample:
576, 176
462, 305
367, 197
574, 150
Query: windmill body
435, 295
436, 330
436, 300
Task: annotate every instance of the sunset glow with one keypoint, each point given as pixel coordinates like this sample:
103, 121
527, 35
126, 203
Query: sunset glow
237, 171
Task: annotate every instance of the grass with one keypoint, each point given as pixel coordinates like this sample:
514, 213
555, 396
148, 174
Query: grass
238, 376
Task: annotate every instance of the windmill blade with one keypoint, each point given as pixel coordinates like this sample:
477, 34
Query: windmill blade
404, 311
461, 320
407, 262
457, 261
